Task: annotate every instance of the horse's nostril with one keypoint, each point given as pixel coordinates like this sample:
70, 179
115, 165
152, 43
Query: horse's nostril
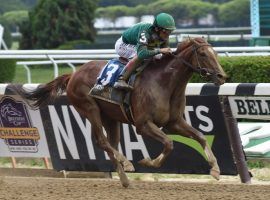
220, 76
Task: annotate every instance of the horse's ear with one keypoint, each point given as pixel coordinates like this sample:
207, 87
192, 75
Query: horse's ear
191, 40
177, 48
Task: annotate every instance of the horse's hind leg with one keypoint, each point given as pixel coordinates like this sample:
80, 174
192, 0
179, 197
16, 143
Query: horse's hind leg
112, 128
91, 111
182, 128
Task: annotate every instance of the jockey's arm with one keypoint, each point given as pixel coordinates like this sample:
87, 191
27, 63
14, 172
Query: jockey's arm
143, 52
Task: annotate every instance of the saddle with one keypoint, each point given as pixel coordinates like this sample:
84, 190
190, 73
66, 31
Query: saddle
104, 90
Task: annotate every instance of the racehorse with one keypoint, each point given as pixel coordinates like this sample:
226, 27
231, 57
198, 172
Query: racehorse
157, 101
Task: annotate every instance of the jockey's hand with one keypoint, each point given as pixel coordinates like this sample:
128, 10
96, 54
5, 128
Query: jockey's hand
158, 56
165, 50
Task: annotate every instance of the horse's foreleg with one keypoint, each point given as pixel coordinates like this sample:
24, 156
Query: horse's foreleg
182, 128
151, 130
112, 128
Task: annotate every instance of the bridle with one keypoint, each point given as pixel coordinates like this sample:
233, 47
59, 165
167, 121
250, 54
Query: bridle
202, 71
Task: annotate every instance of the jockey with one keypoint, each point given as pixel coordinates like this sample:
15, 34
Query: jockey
142, 41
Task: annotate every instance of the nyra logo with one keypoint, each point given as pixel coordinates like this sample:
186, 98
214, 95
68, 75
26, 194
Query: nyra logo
65, 132
16, 128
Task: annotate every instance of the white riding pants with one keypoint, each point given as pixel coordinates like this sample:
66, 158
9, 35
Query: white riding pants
127, 51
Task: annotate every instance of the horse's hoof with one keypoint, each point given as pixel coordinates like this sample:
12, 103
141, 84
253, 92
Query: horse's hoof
215, 173
122, 175
125, 184
124, 180
128, 167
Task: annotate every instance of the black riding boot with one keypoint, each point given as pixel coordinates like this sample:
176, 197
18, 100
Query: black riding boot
125, 74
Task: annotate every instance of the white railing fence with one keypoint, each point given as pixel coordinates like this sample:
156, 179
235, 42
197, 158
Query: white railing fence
71, 57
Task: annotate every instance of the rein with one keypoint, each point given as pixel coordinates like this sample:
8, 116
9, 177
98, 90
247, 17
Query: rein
202, 71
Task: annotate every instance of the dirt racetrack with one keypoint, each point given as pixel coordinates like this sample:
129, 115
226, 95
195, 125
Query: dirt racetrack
48, 188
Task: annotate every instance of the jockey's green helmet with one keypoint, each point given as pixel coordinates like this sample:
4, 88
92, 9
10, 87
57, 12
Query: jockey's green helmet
165, 21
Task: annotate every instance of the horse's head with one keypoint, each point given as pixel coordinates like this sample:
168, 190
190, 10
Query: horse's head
200, 56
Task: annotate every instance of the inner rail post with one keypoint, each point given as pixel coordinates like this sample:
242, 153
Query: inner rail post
235, 141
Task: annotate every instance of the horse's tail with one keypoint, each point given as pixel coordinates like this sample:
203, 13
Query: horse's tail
44, 94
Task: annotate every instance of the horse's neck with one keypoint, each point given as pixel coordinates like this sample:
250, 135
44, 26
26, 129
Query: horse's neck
179, 75
184, 72
184, 76
168, 75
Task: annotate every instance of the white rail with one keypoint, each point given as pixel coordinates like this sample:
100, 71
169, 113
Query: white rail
214, 37
110, 53
70, 63
58, 54
71, 57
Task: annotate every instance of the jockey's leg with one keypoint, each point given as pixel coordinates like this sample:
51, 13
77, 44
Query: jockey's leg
125, 74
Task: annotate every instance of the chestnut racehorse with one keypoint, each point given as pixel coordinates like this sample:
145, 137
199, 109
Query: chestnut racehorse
157, 101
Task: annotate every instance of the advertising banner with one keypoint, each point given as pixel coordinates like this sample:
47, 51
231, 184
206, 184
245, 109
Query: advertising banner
250, 107
256, 142
21, 130
72, 146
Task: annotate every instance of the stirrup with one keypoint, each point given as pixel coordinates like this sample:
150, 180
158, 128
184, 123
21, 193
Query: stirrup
96, 89
121, 84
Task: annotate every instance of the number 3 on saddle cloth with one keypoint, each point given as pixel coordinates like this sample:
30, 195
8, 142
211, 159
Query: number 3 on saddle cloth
105, 91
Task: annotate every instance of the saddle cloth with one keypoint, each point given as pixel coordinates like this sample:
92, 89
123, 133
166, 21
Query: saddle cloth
105, 91
110, 73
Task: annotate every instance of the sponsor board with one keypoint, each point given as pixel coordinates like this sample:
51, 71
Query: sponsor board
250, 107
256, 142
21, 130
72, 146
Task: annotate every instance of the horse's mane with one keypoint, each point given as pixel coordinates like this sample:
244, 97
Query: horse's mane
184, 45
183, 48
